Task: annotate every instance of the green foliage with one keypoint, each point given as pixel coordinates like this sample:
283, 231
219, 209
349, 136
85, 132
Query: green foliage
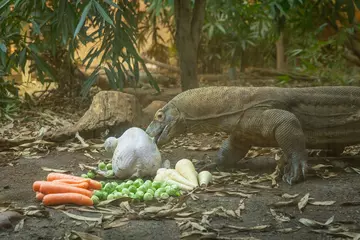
59, 28
155, 15
8, 97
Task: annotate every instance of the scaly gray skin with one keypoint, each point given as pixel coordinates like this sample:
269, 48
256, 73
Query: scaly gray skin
290, 118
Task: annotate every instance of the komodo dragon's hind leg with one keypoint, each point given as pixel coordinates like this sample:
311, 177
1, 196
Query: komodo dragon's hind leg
231, 151
285, 128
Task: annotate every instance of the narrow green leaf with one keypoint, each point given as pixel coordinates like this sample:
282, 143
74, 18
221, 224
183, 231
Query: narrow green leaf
103, 13
89, 82
3, 58
42, 65
34, 48
357, 2
220, 27
3, 47
22, 58
110, 77
36, 27
3, 3
111, 3
211, 31
82, 18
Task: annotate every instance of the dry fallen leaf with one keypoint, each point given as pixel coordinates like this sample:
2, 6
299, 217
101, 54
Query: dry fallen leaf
279, 217
240, 207
20, 225
320, 166
54, 170
315, 224
117, 223
205, 220
248, 229
167, 212
82, 218
224, 193
197, 226
86, 236
289, 196
354, 236
288, 230
154, 209
89, 155
203, 234
185, 214
283, 203
113, 201
322, 203
357, 170
303, 201
35, 211
126, 206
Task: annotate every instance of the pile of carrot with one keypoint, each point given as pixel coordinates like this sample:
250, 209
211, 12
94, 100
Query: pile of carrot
62, 188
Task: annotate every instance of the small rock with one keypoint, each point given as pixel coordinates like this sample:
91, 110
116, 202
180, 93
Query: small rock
9, 219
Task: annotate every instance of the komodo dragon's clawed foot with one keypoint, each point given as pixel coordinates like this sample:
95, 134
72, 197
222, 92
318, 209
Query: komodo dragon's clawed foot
295, 170
231, 151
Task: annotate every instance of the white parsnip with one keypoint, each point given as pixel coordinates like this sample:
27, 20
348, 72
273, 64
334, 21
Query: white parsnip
174, 175
186, 168
181, 186
171, 175
205, 177
160, 170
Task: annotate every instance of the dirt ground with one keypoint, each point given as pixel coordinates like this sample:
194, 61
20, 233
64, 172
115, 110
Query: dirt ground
17, 179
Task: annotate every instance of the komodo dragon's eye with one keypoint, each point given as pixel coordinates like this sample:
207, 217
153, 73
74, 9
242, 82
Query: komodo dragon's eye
159, 116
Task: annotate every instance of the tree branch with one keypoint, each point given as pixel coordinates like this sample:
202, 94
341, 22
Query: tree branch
197, 20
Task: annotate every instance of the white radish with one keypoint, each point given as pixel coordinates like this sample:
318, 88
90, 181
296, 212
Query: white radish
181, 186
186, 168
161, 176
205, 177
174, 175
160, 170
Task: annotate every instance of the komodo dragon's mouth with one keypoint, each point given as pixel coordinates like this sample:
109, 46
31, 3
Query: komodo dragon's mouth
162, 136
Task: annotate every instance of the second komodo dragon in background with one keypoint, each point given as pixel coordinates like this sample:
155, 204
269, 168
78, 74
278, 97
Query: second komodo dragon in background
290, 118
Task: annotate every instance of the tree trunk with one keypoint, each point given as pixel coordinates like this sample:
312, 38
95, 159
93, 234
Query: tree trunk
280, 53
188, 29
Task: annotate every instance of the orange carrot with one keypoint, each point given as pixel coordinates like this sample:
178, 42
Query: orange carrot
36, 185
67, 198
72, 181
84, 185
93, 184
39, 196
51, 187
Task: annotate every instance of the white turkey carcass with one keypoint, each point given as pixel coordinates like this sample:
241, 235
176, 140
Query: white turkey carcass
135, 154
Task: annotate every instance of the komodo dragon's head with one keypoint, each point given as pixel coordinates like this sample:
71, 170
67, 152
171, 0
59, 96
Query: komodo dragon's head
167, 123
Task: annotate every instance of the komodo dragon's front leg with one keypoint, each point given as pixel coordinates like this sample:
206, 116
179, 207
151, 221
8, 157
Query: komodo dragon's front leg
272, 126
284, 127
232, 150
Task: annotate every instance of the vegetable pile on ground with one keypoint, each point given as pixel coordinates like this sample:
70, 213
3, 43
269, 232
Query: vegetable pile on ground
84, 190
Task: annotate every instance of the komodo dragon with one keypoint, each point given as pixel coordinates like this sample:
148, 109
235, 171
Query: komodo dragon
290, 118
